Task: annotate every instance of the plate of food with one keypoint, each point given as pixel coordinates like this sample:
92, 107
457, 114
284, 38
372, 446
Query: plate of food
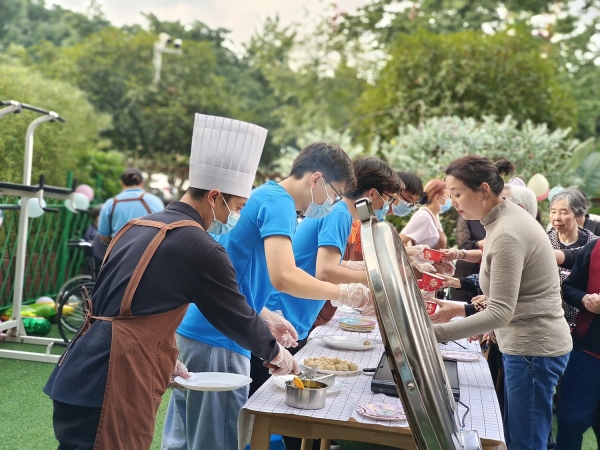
381, 411
213, 381
357, 322
348, 342
460, 356
281, 380
337, 366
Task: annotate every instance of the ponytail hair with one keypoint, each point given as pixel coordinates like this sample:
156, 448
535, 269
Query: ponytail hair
473, 171
132, 177
432, 189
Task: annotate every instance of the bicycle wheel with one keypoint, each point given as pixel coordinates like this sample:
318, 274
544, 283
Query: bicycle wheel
70, 313
72, 283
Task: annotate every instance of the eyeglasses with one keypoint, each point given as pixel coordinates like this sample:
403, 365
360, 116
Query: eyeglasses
338, 196
391, 200
409, 204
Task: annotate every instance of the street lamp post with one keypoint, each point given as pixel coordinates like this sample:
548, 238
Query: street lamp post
160, 47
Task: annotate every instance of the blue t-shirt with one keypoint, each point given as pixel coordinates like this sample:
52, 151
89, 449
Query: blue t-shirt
124, 212
332, 230
270, 211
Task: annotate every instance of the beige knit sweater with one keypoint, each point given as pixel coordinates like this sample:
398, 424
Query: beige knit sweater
518, 275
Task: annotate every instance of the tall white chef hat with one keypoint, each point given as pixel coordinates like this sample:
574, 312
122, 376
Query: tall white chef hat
225, 154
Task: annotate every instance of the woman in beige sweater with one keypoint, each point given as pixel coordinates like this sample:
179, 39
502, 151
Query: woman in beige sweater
518, 276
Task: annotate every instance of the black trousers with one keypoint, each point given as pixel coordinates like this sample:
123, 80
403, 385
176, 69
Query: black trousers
75, 427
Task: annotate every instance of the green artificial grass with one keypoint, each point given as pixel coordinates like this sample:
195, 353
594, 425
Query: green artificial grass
26, 412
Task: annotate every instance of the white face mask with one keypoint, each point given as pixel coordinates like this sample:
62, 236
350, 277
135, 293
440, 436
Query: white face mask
217, 227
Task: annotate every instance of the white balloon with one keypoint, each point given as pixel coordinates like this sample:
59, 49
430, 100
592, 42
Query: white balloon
70, 207
35, 207
80, 201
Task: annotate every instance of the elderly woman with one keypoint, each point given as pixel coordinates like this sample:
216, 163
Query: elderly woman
524, 304
424, 227
580, 386
566, 208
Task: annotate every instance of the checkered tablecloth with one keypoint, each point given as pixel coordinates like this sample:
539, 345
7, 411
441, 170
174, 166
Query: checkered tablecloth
476, 387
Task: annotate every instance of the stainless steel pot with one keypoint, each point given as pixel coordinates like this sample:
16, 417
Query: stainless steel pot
313, 395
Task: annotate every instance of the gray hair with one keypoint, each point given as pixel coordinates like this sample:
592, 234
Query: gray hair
576, 201
524, 197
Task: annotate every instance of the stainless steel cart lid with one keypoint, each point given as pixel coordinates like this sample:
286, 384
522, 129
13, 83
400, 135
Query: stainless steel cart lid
408, 337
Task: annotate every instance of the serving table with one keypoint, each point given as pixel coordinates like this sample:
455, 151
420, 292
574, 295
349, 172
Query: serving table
266, 413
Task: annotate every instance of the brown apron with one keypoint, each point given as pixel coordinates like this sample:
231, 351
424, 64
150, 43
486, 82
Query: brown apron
142, 358
135, 199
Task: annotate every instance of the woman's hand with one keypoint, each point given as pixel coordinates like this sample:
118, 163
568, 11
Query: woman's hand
450, 281
446, 310
445, 267
450, 254
479, 299
591, 303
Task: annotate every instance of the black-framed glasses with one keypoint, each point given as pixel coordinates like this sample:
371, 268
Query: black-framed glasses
409, 204
338, 196
391, 199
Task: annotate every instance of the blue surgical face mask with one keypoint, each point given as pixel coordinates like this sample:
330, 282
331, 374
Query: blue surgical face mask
446, 206
402, 209
217, 227
381, 213
315, 211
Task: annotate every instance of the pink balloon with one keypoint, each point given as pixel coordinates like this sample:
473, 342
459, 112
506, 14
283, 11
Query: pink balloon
543, 197
86, 190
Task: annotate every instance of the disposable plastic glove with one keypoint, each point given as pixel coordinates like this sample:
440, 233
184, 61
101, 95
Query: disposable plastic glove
369, 310
285, 363
282, 330
424, 267
419, 256
359, 266
446, 268
180, 371
355, 295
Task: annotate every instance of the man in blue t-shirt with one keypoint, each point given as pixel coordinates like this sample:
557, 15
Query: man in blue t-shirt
320, 243
318, 248
132, 202
260, 247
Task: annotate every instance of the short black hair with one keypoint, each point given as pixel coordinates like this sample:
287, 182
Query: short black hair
374, 173
474, 170
330, 160
412, 183
199, 194
132, 177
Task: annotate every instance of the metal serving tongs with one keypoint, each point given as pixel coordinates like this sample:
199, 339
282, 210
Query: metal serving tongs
308, 374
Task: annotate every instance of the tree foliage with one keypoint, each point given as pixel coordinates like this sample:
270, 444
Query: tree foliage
58, 147
29, 22
427, 149
465, 74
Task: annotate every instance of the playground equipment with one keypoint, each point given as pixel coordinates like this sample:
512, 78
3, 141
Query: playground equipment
14, 328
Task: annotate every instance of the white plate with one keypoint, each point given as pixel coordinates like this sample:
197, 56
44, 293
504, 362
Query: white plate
340, 373
380, 411
280, 383
348, 342
214, 381
460, 356
356, 330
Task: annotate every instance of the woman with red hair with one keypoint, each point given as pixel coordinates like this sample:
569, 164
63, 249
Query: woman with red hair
424, 227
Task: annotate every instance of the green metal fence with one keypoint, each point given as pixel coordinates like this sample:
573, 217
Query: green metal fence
49, 260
